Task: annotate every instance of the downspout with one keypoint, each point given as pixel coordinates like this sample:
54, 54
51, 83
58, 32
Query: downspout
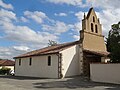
81, 59
60, 75
15, 67
81, 52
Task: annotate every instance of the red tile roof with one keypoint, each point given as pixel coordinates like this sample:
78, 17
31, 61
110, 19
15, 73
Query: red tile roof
48, 50
57, 48
100, 53
7, 63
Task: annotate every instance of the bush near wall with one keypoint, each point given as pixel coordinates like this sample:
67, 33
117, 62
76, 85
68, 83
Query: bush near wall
4, 71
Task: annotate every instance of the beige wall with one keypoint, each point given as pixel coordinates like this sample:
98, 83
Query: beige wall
90, 20
70, 61
11, 67
105, 73
93, 42
39, 67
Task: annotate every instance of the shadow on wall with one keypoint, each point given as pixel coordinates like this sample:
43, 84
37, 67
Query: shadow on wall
72, 71
74, 67
74, 83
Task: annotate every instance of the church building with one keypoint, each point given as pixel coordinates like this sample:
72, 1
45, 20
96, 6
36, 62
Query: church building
67, 59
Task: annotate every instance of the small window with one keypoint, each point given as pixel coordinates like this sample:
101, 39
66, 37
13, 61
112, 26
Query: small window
92, 27
19, 62
96, 29
93, 19
49, 60
30, 62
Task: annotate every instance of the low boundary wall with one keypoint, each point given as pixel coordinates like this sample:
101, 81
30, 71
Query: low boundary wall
109, 73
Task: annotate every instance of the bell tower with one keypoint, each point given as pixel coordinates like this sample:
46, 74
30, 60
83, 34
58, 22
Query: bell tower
91, 33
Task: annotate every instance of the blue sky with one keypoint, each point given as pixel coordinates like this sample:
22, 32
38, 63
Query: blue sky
28, 25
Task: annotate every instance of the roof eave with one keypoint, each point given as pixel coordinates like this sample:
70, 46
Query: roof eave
97, 53
35, 55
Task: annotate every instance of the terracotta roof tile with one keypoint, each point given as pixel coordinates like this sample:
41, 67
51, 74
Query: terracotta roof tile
58, 48
101, 53
7, 63
48, 50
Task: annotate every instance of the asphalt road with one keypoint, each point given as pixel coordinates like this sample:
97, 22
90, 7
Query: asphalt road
74, 83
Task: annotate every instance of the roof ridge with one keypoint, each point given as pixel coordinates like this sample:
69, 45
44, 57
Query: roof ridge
57, 47
62, 45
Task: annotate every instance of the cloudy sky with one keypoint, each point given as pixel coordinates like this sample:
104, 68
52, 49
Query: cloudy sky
27, 25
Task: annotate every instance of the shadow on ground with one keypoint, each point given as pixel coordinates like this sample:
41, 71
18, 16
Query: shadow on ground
67, 83
19, 77
76, 82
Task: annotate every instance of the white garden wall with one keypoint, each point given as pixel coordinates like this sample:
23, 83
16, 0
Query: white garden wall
105, 73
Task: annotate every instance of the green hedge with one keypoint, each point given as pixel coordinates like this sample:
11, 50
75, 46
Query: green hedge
4, 70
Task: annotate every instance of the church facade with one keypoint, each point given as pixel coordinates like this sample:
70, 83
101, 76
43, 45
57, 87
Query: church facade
68, 59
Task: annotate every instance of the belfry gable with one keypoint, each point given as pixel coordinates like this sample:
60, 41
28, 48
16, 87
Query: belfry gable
91, 33
91, 23
91, 11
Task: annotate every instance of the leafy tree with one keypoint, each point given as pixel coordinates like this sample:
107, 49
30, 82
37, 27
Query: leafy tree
113, 43
52, 43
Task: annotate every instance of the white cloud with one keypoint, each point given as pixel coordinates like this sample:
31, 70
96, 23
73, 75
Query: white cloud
21, 48
60, 14
69, 2
10, 52
25, 37
79, 15
23, 19
105, 4
36, 16
107, 18
78, 24
6, 19
7, 15
24, 34
58, 27
4, 5
76, 37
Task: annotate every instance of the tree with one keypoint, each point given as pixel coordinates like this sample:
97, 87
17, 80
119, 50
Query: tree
113, 43
52, 43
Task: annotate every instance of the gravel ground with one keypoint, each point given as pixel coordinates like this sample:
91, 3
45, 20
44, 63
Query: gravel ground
73, 83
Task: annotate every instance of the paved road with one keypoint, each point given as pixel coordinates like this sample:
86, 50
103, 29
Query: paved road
74, 83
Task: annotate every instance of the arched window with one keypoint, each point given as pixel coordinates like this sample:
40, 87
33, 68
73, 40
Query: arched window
96, 29
49, 60
93, 19
30, 61
19, 61
92, 27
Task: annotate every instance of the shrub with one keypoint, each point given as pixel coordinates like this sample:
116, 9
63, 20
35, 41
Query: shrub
4, 70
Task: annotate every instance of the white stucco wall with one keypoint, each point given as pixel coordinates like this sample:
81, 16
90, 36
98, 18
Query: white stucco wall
105, 73
70, 61
39, 67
